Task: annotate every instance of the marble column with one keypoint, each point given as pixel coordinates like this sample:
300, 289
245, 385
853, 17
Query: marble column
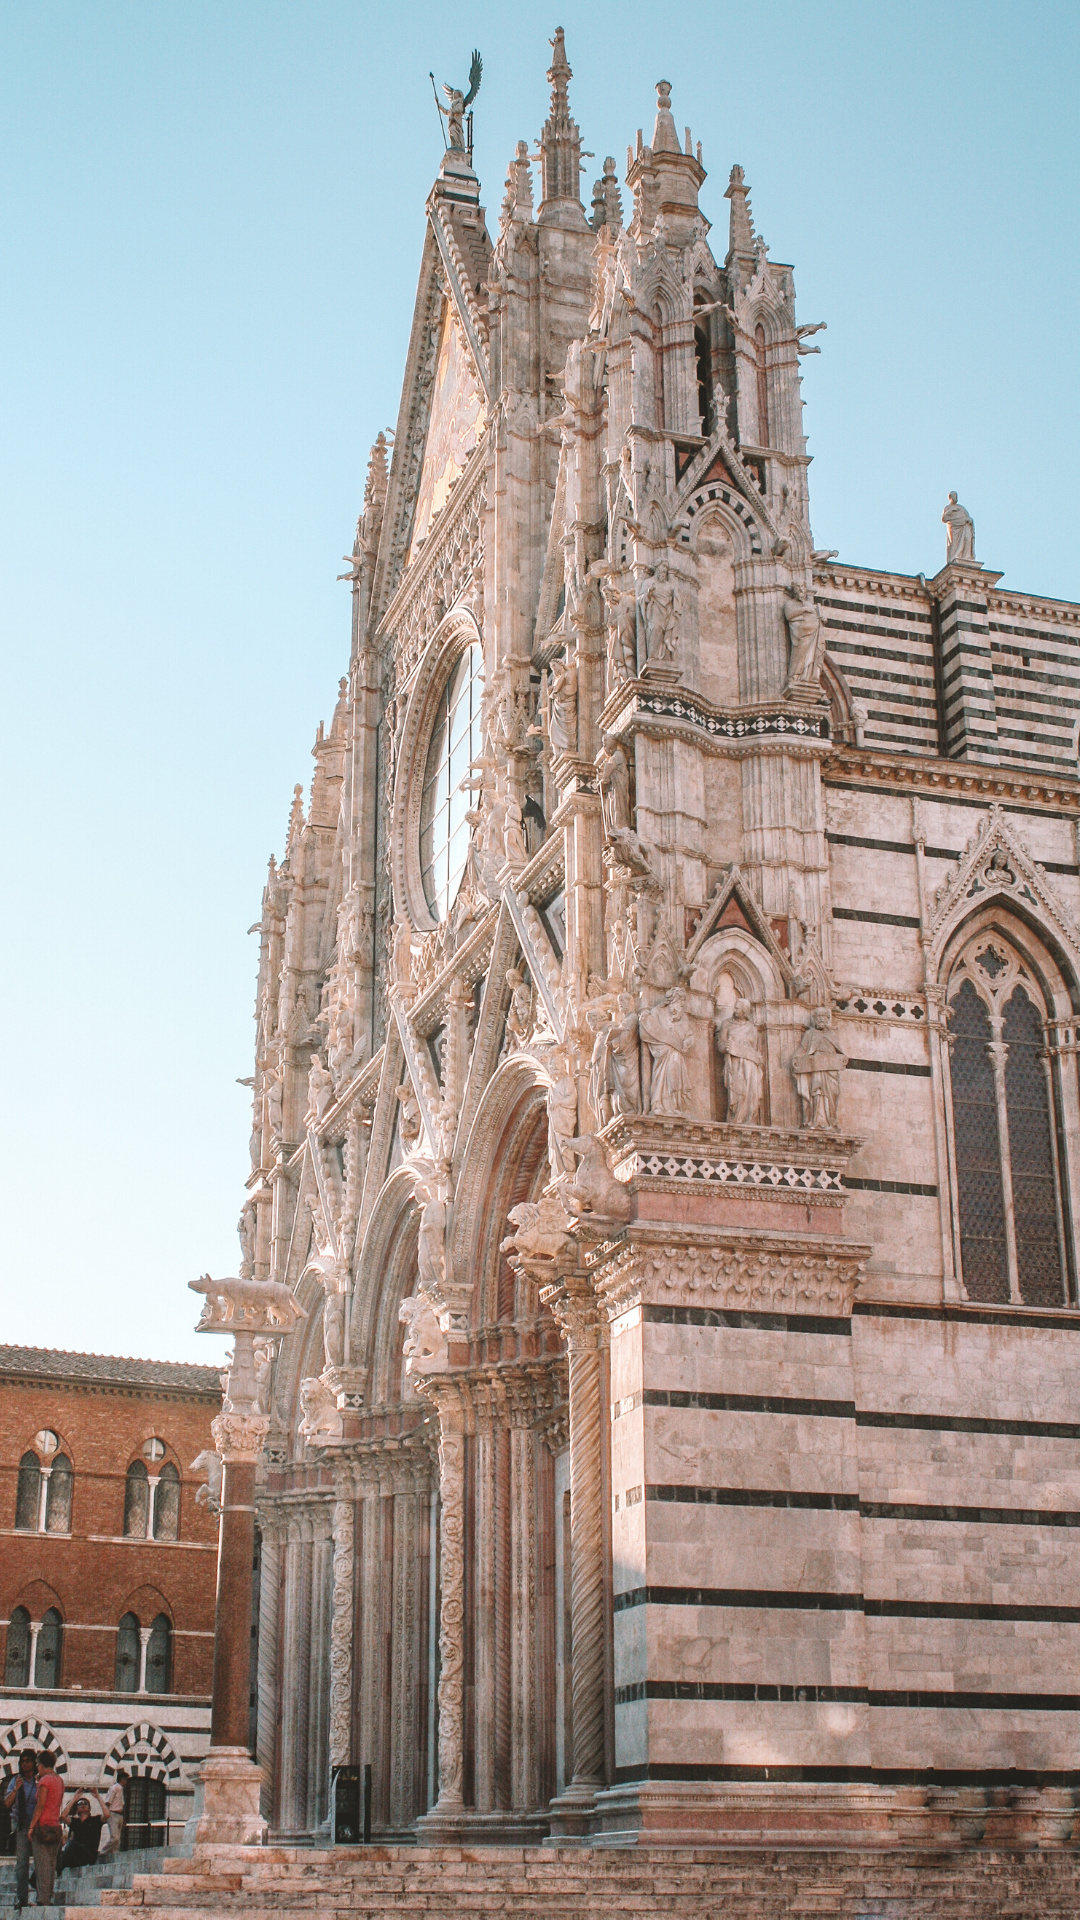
341, 1632
524, 1636
268, 1666
575, 1310
450, 1805
230, 1779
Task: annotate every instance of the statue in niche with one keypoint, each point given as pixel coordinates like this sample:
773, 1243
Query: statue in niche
740, 1043
807, 639
658, 609
599, 1019
816, 1067
666, 1032
621, 603
959, 533
562, 720
517, 853
262, 1360
431, 1242
274, 1108
613, 780
519, 1018
409, 1118
562, 1119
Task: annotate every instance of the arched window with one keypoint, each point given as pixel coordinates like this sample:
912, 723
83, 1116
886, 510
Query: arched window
127, 1654
144, 1814
762, 388
456, 741
703, 360
136, 1501
167, 1504
58, 1498
659, 396
159, 1656
28, 1497
50, 1648
17, 1654
1007, 1196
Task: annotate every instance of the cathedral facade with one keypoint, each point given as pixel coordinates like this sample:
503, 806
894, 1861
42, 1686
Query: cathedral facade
666, 1109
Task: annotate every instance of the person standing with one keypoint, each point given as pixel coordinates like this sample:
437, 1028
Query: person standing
84, 1836
21, 1800
114, 1809
45, 1834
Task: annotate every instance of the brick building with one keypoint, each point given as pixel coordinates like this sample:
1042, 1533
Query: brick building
107, 1572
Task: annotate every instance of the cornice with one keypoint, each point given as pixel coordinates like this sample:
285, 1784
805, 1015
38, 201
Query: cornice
908, 772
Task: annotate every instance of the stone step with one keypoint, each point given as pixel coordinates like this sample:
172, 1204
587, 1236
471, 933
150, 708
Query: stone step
636, 1884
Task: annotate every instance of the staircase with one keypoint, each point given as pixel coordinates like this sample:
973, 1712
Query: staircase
85, 1887
374, 1883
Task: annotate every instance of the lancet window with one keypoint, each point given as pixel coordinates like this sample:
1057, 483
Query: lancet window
703, 360
1009, 1200
456, 742
17, 1651
762, 387
659, 396
44, 1487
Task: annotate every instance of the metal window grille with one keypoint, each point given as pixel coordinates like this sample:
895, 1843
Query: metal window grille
980, 1201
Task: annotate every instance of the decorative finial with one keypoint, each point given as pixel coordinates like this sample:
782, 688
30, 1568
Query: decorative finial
742, 239
665, 139
518, 199
560, 146
607, 200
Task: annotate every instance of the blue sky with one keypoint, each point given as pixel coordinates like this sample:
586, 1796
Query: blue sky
211, 219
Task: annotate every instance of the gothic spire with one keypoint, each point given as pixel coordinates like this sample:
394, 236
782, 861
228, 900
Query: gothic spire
743, 241
560, 147
607, 200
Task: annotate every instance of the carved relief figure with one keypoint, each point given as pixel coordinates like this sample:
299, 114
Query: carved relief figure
593, 1191
816, 1069
658, 608
807, 639
431, 1243
621, 603
613, 779
667, 1033
519, 1019
409, 1118
959, 532
320, 1089
562, 723
740, 1043
425, 1349
562, 1119
624, 1057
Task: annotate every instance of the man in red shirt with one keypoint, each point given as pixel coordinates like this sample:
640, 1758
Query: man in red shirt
45, 1832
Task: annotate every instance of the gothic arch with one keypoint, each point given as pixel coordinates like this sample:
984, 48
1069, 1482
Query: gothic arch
838, 693
998, 871
719, 498
451, 638
31, 1731
144, 1752
505, 1118
385, 1275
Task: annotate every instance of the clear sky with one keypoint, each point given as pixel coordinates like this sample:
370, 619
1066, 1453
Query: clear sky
212, 216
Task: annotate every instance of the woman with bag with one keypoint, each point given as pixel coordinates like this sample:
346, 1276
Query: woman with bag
45, 1827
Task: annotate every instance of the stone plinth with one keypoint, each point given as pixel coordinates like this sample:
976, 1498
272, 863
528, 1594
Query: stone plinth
231, 1785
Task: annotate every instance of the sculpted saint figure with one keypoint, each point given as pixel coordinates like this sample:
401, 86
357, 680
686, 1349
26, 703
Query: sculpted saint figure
959, 532
600, 1065
320, 1089
519, 1018
658, 606
740, 1043
613, 779
274, 1106
668, 1036
624, 1063
562, 725
816, 1068
562, 1120
621, 603
807, 642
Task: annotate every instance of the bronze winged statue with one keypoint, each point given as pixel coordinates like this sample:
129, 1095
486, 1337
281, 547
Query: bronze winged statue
454, 114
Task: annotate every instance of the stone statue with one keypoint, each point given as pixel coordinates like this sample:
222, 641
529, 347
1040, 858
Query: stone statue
425, 1349
562, 1120
624, 1057
517, 853
409, 1117
630, 852
209, 1495
540, 1231
621, 603
246, 1229
519, 1018
816, 1066
562, 721
740, 1043
959, 532
807, 639
262, 1363
257, 1306
320, 1089
599, 1019
668, 1036
454, 114
402, 961
658, 607
274, 1107
431, 1242
319, 1416
593, 1192
613, 780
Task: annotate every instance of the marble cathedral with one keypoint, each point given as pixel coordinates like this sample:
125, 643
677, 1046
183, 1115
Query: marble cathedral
666, 1104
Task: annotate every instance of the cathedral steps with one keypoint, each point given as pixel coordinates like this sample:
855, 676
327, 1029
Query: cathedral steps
631, 1884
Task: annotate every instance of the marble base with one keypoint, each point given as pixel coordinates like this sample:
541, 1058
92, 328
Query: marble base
231, 1787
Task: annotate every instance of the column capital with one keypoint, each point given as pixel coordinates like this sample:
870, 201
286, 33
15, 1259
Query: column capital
239, 1436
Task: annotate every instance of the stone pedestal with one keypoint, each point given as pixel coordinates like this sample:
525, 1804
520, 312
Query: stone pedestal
231, 1787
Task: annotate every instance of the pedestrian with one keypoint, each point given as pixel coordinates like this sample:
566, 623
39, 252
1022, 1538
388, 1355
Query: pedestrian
21, 1800
84, 1837
114, 1808
45, 1833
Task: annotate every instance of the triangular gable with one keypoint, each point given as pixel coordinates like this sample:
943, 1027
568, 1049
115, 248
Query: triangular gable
1014, 878
733, 905
457, 420
717, 460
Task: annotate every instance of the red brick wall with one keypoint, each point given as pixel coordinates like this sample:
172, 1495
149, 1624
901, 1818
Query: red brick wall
94, 1580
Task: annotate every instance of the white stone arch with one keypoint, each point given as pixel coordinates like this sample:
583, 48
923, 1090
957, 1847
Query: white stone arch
507, 1114
717, 497
997, 870
385, 1275
31, 1731
732, 965
454, 635
146, 1753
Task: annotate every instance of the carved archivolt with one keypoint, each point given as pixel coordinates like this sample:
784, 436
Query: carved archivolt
997, 866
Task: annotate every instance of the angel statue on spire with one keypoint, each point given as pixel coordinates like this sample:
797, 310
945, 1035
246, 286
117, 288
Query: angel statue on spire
454, 114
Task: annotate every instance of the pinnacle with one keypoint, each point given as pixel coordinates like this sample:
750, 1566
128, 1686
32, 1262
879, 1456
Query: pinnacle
665, 139
742, 239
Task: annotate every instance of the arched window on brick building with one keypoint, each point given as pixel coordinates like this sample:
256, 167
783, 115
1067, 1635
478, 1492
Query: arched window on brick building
1004, 1123
167, 1504
17, 1652
58, 1497
159, 1656
128, 1654
136, 1501
28, 1496
48, 1663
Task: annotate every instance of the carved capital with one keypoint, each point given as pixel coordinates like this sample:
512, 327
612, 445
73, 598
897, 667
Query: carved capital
240, 1436
788, 1276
